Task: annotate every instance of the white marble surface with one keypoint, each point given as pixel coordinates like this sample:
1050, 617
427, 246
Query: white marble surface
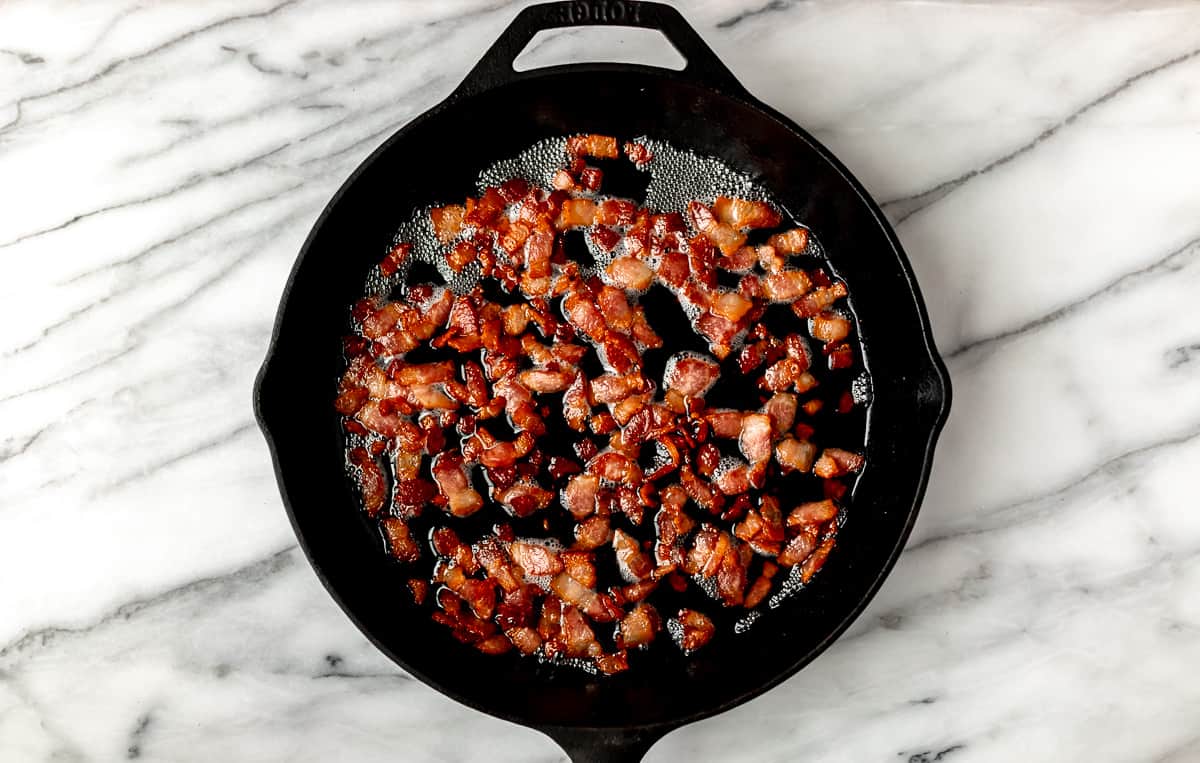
160, 164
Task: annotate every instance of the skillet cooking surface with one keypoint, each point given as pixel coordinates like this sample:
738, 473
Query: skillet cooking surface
437, 158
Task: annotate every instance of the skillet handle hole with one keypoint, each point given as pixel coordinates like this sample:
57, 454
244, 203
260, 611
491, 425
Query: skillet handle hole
613, 44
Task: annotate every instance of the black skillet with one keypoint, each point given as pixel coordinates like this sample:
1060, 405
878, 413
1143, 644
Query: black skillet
495, 113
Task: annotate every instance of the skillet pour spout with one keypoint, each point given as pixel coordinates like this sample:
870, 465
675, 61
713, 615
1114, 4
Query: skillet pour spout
437, 157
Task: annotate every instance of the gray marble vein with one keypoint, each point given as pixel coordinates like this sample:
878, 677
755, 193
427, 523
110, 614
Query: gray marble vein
161, 164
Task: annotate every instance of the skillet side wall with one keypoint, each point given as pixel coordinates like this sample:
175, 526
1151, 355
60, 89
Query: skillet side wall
437, 159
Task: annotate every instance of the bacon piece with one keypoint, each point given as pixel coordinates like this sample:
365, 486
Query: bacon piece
691, 375
630, 273
351, 400
612, 388
799, 547
723, 236
583, 314
719, 330
447, 221
615, 212
795, 454
410, 496
576, 213
673, 269
725, 423
820, 298
525, 639
400, 542
841, 355
451, 476
793, 241
812, 513
632, 563
835, 462
639, 627
576, 635
648, 423
462, 254
693, 630
732, 577
538, 249
524, 497
579, 496
816, 560
597, 146
787, 373
615, 308
394, 259
563, 181
597, 606
743, 213
542, 381
639, 154
770, 260
535, 559
580, 565
491, 554
782, 409
616, 467
592, 532
740, 261
786, 285
754, 440
422, 373
734, 480
829, 327
576, 407
483, 211
731, 306
369, 477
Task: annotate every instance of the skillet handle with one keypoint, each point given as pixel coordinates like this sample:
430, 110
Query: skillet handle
496, 65
605, 745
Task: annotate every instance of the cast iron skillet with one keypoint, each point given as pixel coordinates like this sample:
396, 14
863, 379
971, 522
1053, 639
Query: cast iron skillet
496, 112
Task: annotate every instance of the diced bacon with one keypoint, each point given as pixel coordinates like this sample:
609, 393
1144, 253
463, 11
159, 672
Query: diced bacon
612, 388
542, 381
576, 635
732, 578
786, 285
787, 373
400, 542
758, 591
576, 213
639, 627
799, 547
462, 254
616, 467
584, 315
633, 564
563, 181
579, 496
630, 273
841, 355
576, 407
782, 409
820, 298
525, 497
382, 320
754, 440
734, 480
742, 213
740, 261
701, 492
769, 259
793, 241
615, 212
829, 327
373, 418
725, 423
597, 146
351, 400
731, 306
725, 237
581, 566
691, 375
673, 269
795, 454
816, 560
525, 639
447, 221
451, 476
491, 554
638, 153
394, 259
592, 532
694, 630
615, 308
812, 513
648, 423
835, 462
535, 559
539, 246
593, 604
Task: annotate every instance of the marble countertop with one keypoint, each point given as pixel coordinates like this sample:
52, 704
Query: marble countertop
160, 165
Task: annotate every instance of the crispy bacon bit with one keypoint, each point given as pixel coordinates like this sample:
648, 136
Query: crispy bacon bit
535, 559
725, 237
742, 213
799, 547
785, 286
754, 440
447, 221
639, 627
633, 564
693, 630
829, 327
592, 532
451, 476
597, 146
394, 259
835, 462
630, 273
812, 513
840, 356
793, 241
820, 298
399, 542
638, 153
795, 455
782, 409
816, 560
370, 480
691, 375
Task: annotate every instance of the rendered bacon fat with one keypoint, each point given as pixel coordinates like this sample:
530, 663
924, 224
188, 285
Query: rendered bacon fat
552, 399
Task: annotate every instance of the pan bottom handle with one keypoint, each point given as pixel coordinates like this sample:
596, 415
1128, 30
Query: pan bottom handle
605, 745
